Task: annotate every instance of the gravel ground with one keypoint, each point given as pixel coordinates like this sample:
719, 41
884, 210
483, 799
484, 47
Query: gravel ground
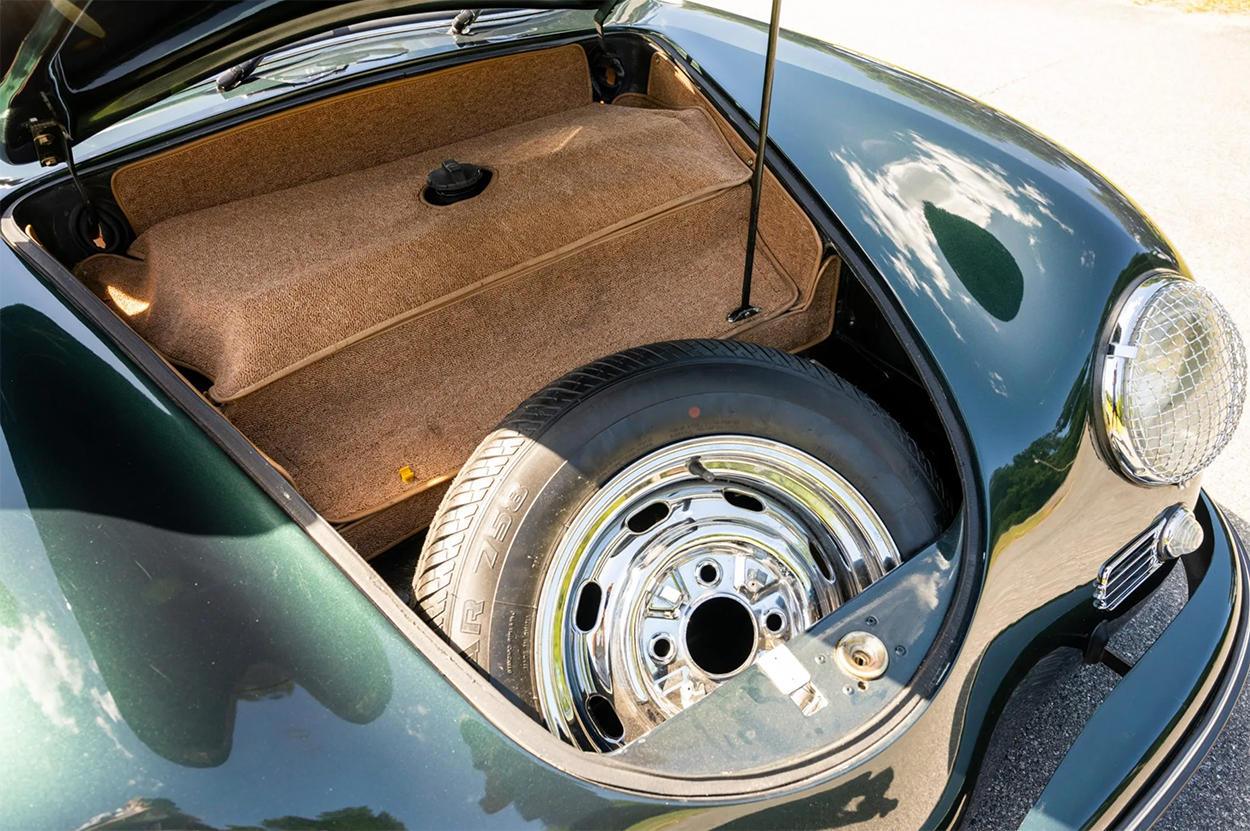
1157, 100
1218, 795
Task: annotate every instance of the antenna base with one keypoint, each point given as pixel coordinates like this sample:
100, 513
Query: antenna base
742, 313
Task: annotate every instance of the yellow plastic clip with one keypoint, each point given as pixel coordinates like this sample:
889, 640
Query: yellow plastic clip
407, 474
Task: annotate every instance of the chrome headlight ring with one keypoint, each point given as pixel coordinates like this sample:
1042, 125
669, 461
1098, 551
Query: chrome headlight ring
1171, 380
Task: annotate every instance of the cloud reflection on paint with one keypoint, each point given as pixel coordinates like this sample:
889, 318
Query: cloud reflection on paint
895, 195
33, 657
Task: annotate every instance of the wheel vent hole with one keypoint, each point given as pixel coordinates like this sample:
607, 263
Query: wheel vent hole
647, 518
720, 635
605, 719
822, 562
588, 602
743, 500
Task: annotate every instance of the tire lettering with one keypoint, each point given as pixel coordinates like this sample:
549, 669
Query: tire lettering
515, 498
488, 553
499, 525
472, 611
511, 629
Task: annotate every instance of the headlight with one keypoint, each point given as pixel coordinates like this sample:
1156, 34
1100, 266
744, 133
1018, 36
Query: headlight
1173, 381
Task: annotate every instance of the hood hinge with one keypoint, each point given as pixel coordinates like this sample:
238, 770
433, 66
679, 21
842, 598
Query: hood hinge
49, 138
600, 17
53, 147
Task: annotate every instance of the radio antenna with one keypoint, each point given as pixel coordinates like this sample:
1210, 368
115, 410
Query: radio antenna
746, 310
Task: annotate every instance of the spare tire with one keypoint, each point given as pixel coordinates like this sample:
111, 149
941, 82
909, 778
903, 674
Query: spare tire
649, 522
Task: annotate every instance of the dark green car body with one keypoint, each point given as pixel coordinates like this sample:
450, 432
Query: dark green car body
186, 644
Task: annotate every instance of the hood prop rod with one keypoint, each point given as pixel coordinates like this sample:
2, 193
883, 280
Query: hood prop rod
746, 310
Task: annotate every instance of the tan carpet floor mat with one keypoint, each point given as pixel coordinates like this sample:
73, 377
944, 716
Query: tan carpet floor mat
252, 290
423, 394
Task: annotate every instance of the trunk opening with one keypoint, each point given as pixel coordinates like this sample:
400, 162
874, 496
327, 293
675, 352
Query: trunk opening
365, 338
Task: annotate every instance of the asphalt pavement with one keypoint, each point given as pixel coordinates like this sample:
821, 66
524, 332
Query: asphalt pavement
1157, 100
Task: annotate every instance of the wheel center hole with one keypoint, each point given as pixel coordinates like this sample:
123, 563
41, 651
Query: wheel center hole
720, 635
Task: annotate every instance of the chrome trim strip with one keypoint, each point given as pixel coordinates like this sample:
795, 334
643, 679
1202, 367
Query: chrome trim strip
1114, 381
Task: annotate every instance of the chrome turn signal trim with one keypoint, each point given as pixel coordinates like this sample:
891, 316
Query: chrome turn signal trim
1174, 534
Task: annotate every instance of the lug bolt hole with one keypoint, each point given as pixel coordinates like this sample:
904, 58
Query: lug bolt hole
709, 573
661, 649
774, 622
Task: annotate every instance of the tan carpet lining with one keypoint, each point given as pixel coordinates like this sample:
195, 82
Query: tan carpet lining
252, 290
782, 221
493, 280
353, 131
352, 330
422, 394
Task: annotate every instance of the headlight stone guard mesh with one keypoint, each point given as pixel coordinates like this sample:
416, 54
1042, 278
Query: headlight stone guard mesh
1176, 396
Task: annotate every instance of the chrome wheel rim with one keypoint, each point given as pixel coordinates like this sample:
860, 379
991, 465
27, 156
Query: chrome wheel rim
683, 568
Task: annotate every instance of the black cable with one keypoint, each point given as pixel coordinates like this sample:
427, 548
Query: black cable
73, 174
92, 217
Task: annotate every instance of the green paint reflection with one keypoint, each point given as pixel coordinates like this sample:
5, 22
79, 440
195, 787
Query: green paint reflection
153, 814
181, 589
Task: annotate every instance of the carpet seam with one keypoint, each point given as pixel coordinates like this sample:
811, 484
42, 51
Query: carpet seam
610, 233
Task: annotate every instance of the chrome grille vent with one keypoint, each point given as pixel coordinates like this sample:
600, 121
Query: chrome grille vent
1129, 568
